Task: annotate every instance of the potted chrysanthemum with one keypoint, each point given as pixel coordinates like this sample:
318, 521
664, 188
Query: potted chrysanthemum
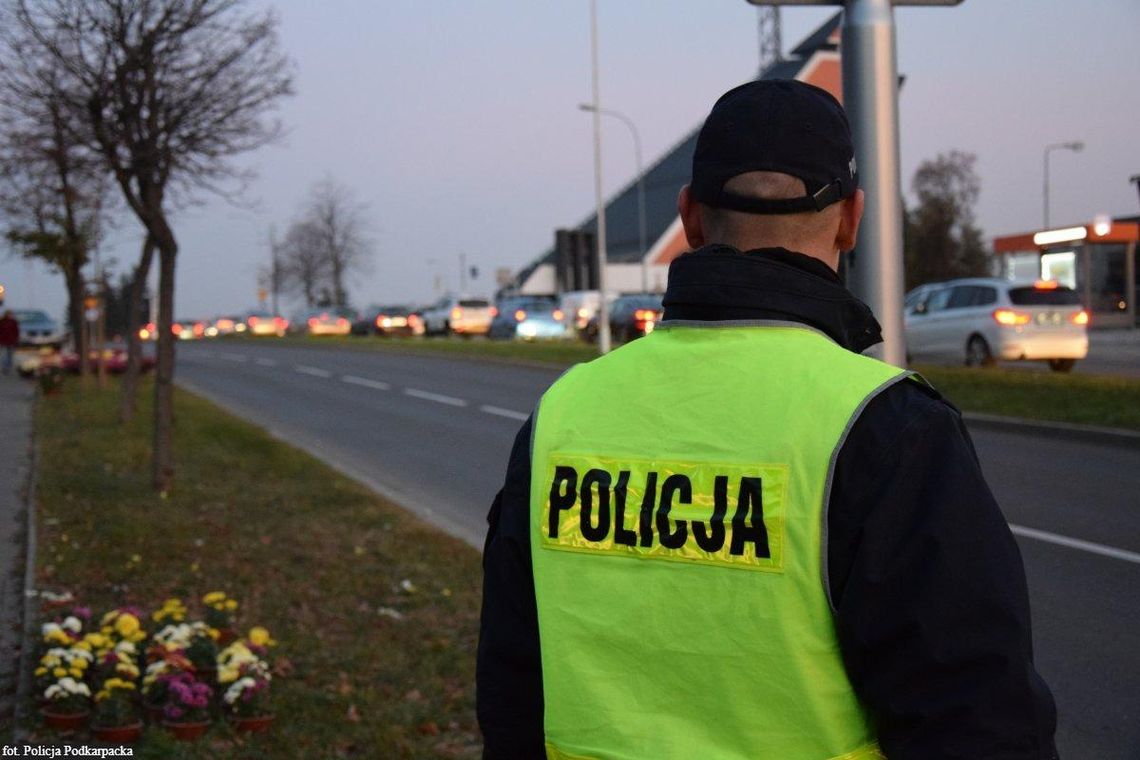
186, 712
246, 676
68, 703
116, 719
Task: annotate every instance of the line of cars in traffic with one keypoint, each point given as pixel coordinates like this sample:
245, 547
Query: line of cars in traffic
517, 317
976, 321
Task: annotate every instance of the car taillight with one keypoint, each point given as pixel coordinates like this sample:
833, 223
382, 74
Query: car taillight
1045, 285
313, 321
645, 315
380, 318
341, 322
253, 321
414, 319
494, 312
199, 329
520, 315
1079, 317
457, 313
280, 322
1010, 317
176, 328
558, 315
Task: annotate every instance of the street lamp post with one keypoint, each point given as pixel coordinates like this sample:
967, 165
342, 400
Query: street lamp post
599, 198
870, 95
641, 231
1076, 146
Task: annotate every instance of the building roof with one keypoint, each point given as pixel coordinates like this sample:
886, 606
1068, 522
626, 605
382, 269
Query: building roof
665, 177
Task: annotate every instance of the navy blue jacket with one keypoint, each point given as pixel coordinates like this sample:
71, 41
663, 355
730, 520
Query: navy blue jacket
927, 583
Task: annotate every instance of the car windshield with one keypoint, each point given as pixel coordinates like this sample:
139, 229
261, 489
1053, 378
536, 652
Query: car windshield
28, 315
393, 309
1033, 296
474, 303
642, 302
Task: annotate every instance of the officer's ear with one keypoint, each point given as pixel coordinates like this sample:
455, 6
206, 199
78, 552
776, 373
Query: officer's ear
690, 211
850, 214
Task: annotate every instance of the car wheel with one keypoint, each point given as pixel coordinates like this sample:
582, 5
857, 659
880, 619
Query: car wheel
978, 352
1062, 365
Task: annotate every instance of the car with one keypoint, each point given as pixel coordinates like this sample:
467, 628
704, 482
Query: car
582, 305
458, 316
631, 316
189, 329
225, 326
262, 323
528, 318
983, 320
386, 320
38, 329
326, 321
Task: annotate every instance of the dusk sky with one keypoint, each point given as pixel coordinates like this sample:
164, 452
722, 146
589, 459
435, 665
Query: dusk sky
456, 123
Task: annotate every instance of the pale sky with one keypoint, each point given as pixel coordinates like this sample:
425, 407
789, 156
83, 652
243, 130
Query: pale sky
456, 123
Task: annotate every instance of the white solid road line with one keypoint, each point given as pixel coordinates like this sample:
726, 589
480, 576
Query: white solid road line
234, 357
437, 397
365, 382
508, 413
314, 371
1076, 543
266, 362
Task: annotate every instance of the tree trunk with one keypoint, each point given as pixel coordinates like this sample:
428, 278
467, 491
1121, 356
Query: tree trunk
129, 402
164, 366
75, 316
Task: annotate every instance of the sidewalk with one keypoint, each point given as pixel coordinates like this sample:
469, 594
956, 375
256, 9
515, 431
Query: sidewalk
15, 468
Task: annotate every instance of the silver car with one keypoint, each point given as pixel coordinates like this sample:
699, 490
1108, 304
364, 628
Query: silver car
982, 320
38, 329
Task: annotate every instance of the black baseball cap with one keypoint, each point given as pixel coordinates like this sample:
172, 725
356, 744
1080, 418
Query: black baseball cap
775, 125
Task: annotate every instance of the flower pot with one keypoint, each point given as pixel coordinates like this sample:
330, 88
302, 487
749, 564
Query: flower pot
253, 725
118, 734
186, 732
64, 721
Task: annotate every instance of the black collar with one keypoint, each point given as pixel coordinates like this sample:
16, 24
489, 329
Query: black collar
718, 283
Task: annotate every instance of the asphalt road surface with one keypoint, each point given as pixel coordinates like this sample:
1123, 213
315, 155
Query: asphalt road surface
433, 433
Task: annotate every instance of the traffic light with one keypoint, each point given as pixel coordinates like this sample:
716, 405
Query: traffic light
575, 264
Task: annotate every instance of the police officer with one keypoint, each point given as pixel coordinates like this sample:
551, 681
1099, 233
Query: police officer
739, 537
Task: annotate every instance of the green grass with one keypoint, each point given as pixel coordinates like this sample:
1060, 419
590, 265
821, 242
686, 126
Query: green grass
308, 553
1043, 396
1048, 396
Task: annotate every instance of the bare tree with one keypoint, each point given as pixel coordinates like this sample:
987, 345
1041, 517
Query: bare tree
336, 220
304, 267
52, 188
172, 90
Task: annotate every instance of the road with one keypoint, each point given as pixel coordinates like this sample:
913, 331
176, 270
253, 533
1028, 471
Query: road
433, 433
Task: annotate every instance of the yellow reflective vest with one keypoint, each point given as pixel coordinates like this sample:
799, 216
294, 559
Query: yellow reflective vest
678, 509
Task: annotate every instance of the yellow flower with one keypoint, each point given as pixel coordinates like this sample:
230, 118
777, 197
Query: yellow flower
59, 672
41, 671
57, 637
213, 597
75, 672
259, 636
231, 604
101, 695
214, 633
127, 625
227, 674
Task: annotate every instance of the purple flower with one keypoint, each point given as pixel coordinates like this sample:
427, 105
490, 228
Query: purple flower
82, 612
173, 712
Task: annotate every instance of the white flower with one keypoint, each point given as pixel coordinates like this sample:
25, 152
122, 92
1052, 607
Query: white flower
234, 692
73, 624
125, 647
50, 628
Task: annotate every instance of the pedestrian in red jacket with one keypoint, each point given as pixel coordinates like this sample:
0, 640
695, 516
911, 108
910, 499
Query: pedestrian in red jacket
9, 339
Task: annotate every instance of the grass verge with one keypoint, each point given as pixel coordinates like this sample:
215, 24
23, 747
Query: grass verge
378, 670
1047, 396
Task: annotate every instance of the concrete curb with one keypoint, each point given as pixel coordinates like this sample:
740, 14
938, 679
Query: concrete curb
1105, 436
20, 716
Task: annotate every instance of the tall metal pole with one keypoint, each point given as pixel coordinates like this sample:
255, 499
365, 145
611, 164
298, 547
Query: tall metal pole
870, 95
1074, 145
599, 199
642, 234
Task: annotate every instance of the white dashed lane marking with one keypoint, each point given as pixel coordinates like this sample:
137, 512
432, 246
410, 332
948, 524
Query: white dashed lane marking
266, 362
314, 371
1076, 543
364, 382
234, 357
501, 412
437, 397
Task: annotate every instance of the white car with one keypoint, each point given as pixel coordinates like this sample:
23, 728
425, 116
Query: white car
460, 316
981, 320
